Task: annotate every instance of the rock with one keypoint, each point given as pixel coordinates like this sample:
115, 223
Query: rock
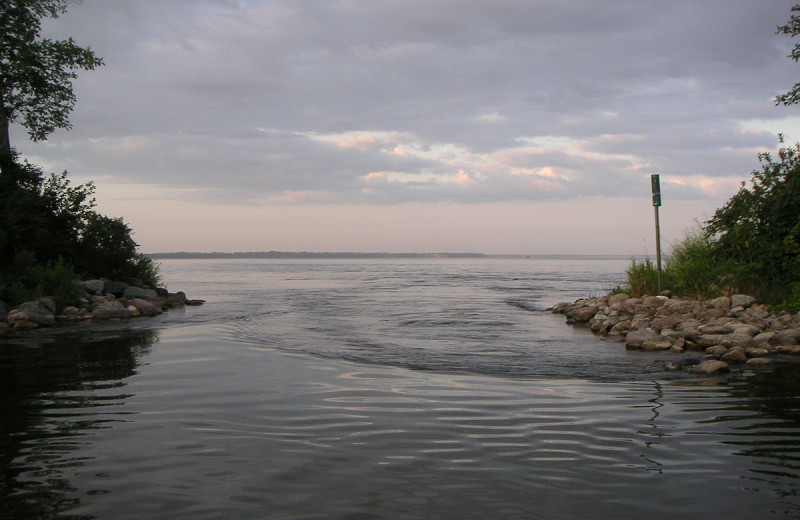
711, 367
677, 306
48, 303
33, 312
654, 301
670, 321
756, 352
709, 340
765, 338
70, 314
115, 288
742, 300
579, 315
195, 302
788, 336
637, 338
717, 350
138, 292
715, 329
110, 310
616, 299
759, 361
723, 302
94, 286
177, 299
735, 355
144, 307
658, 344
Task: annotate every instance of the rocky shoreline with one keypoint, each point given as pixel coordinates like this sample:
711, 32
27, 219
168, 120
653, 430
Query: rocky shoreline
723, 333
104, 300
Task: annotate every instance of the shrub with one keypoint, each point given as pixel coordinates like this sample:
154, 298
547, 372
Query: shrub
26, 280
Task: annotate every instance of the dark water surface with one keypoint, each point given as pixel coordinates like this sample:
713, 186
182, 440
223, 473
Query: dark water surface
397, 389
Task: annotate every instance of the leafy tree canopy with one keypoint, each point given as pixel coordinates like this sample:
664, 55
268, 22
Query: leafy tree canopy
36, 73
792, 28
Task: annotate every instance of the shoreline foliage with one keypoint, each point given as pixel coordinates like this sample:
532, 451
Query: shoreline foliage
50, 234
751, 244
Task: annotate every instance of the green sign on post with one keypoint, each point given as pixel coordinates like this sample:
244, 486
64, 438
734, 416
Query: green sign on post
656, 184
656, 189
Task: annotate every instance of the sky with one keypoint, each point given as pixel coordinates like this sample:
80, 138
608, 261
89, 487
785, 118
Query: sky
498, 127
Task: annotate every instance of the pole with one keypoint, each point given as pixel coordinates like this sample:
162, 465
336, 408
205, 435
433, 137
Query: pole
656, 185
658, 249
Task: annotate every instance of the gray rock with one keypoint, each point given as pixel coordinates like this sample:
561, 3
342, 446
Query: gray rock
110, 310
717, 350
138, 292
742, 300
115, 288
616, 299
678, 306
637, 338
715, 328
711, 367
94, 286
759, 361
144, 307
48, 303
582, 314
36, 313
735, 355
723, 302
756, 352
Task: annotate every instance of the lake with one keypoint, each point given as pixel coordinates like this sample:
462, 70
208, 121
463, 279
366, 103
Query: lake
383, 389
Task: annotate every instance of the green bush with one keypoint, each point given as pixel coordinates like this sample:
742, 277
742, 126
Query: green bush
51, 234
25, 280
758, 230
751, 245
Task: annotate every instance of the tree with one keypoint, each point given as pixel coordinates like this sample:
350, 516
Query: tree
758, 229
35, 73
792, 29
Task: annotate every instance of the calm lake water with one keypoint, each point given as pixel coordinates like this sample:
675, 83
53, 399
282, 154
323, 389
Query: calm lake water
383, 389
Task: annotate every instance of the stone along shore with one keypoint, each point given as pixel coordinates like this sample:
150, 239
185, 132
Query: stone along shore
726, 331
104, 300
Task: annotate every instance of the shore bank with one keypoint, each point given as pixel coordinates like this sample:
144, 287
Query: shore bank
723, 332
104, 300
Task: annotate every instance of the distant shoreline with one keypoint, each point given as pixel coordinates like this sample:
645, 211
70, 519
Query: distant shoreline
183, 255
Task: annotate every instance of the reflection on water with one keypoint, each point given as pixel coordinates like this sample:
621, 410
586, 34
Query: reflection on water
54, 391
201, 428
402, 390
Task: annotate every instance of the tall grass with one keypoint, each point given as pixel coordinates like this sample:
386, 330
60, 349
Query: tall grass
691, 270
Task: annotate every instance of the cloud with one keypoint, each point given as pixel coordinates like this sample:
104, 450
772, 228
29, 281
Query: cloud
356, 102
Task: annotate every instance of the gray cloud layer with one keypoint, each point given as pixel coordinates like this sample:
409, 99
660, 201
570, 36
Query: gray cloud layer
279, 101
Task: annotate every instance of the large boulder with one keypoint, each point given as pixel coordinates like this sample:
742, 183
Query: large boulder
31, 313
636, 339
110, 310
581, 314
711, 367
677, 306
144, 307
138, 292
723, 303
115, 288
94, 286
742, 300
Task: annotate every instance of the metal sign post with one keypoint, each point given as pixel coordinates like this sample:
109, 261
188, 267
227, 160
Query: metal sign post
656, 185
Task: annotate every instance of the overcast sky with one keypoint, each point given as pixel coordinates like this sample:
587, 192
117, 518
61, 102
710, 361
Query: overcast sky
503, 126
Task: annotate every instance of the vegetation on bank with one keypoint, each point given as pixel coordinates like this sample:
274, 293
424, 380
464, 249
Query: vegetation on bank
50, 234
751, 244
